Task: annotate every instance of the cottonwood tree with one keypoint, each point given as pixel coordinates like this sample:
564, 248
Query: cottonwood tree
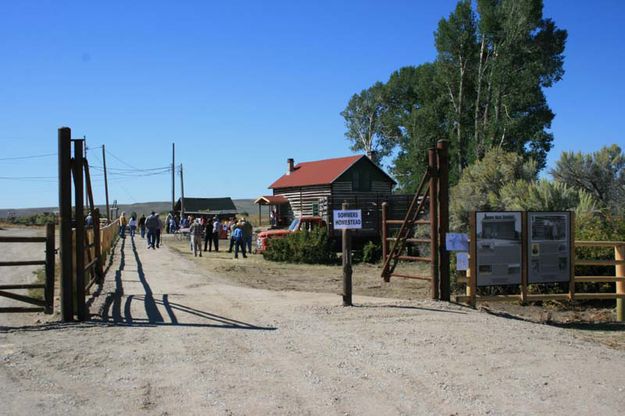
484, 90
365, 119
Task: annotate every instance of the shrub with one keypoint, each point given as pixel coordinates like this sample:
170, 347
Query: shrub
310, 247
371, 253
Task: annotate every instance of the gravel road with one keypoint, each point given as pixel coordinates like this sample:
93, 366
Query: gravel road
169, 339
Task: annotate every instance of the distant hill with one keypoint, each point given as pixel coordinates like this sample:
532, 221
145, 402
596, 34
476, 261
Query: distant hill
243, 205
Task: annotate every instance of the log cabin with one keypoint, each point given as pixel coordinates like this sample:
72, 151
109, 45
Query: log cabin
313, 188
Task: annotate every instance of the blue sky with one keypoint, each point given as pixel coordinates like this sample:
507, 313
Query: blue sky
240, 86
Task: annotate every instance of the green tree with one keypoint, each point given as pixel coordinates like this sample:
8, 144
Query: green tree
484, 90
366, 121
601, 174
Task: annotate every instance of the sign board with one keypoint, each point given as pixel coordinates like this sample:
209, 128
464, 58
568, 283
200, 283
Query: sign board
347, 219
462, 261
456, 242
498, 248
549, 247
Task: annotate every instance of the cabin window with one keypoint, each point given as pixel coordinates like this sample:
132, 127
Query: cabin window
361, 181
315, 208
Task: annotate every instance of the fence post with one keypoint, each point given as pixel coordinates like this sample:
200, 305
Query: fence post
434, 237
472, 272
347, 264
65, 223
384, 236
619, 255
97, 245
49, 290
79, 187
443, 217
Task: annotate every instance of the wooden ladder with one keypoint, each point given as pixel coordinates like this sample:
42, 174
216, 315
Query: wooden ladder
414, 216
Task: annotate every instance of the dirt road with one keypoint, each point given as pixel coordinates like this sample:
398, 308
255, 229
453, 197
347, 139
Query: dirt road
172, 339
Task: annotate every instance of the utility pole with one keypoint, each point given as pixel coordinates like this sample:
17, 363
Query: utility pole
181, 194
106, 186
173, 177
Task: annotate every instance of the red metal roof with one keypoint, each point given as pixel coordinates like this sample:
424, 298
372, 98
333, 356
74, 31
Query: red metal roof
271, 200
318, 172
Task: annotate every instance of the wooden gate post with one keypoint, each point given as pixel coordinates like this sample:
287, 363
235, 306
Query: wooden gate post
619, 255
79, 203
385, 236
65, 223
49, 290
443, 217
472, 272
434, 237
97, 241
347, 264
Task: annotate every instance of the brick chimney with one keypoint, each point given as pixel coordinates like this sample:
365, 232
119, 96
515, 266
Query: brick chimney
290, 166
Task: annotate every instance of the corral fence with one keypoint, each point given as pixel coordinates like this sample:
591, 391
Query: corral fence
41, 305
83, 244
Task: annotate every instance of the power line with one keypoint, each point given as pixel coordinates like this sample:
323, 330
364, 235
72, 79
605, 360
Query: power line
28, 157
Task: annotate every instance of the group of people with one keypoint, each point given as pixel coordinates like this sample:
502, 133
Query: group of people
150, 227
209, 230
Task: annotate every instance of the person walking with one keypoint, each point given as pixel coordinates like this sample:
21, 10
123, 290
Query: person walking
237, 234
208, 235
195, 232
248, 232
216, 231
142, 225
157, 233
132, 225
151, 223
232, 224
123, 222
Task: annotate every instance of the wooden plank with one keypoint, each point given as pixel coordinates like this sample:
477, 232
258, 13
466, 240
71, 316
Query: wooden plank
599, 296
50, 269
413, 240
90, 264
599, 262
547, 296
415, 258
23, 286
599, 279
23, 263
599, 243
400, 222
5, 239
22, 298
407, 276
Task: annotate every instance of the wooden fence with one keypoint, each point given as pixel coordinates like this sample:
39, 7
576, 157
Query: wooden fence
47, 304
618, 262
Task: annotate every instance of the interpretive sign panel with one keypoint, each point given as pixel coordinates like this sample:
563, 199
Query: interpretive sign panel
498, 248
348, 219
549, 247
462, 261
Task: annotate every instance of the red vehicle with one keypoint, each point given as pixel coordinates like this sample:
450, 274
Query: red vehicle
298, 224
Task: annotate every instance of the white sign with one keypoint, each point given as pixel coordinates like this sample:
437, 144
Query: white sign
462, 261
348, 219
456, 242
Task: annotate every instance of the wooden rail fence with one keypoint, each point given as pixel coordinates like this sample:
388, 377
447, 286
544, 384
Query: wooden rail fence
47, 303
618, 262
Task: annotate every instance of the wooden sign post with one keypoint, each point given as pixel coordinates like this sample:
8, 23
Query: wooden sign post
346, 220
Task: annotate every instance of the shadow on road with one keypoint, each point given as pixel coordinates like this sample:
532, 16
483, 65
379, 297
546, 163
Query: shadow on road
112, 313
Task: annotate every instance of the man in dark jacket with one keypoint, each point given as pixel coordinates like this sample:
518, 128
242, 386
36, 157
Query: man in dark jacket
208, 235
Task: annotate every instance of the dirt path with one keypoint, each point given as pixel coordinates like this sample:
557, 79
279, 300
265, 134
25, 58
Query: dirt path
172, 339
